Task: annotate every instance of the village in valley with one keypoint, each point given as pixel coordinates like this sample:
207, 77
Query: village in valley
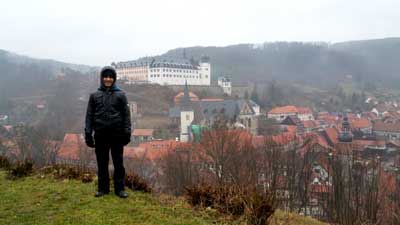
173, 102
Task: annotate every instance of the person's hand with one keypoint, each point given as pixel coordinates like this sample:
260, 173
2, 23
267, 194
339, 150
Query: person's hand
89, 140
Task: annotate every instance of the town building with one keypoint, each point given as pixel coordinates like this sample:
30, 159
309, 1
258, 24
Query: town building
280, 113
133, 108
362, 125
165, 72
226, 85
390, 131
194, 114
142, 135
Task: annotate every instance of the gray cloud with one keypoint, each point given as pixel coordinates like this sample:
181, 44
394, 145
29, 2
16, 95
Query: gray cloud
99, 32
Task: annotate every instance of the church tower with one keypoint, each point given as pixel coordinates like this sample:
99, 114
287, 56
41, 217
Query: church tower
345, 133
187, 115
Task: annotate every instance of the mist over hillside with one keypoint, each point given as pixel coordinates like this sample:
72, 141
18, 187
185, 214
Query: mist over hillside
23, 76
313, 63
50, 64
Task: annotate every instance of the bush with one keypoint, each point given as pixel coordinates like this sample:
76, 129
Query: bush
135, 182
20, 169
4, 163
201, 195
69, 172
234, 200
259, 208
230, 200
225, 199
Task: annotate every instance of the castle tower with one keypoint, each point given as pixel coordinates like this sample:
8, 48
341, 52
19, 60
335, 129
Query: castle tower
205, 70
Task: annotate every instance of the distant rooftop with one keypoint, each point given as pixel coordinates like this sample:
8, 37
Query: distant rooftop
160, 62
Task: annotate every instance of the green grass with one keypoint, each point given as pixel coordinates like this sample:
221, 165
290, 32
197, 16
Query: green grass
44, 200
35, 200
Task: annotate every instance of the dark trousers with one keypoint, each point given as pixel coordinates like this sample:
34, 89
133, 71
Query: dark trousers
103, 146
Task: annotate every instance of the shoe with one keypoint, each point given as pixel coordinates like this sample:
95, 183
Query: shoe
100, 193
122, 194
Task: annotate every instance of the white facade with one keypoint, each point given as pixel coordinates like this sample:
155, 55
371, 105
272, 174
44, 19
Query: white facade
256, 109
132, 73
305, 116
280, 116
187, 118
165, 73
226, 85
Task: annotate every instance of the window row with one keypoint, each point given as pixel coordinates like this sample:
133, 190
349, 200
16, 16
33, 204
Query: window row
176, 76
173, 70
134, 71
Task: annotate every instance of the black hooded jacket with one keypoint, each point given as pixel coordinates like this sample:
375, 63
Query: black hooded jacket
107, 111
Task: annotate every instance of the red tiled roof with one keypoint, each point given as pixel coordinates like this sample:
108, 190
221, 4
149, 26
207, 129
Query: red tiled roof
284, 109
360, 145
323, 114
69, 148
329, 119
143, 132
392, 114
310, 123
360, 123
369, 115
289, 109
382, 107
333, 135
280, 139
386, 127
304, 110
193, 97
322, 141
314, 138
153, 150
212, 99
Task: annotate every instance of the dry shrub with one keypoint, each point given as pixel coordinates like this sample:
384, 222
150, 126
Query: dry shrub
20, 169
201, 195
87, 178
233, 200
259, 208
136, 183
69, 172
4, 163
226, 199
229, 200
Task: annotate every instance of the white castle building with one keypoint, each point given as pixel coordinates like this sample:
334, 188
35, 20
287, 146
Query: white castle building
226, 85
165, 72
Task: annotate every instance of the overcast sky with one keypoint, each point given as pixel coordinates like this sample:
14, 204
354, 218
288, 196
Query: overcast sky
96, 32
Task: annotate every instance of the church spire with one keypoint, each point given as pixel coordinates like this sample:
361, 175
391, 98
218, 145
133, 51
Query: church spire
186, 97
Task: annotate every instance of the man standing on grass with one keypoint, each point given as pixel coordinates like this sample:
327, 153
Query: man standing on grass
108, 117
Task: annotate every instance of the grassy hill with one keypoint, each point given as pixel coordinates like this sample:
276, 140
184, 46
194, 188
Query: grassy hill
44, 200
